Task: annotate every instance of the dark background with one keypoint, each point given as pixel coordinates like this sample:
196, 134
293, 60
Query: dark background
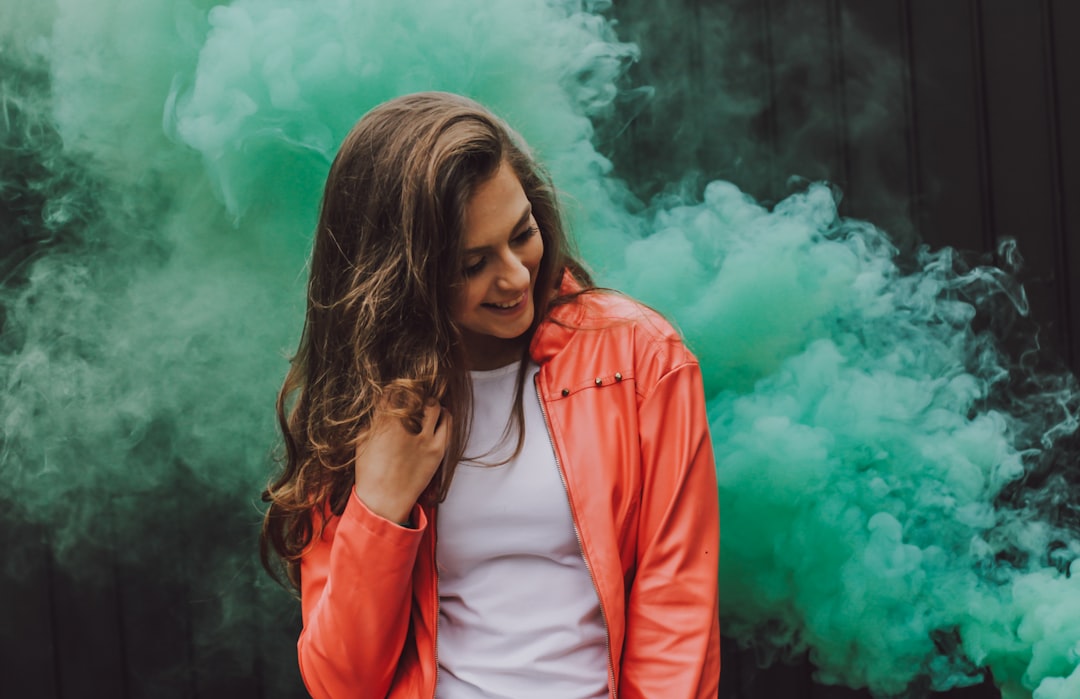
945, 122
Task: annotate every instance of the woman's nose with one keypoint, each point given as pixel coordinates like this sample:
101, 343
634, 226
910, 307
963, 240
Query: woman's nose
513, 274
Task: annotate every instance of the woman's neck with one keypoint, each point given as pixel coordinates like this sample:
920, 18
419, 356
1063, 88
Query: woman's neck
484, 352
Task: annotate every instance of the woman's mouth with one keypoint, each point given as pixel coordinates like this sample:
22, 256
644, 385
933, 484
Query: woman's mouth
511, 306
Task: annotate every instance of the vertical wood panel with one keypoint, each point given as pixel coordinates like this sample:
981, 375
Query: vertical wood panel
159, 657
91, 652
27, 645
730, 670
154, 601
1059, 261
222, 604
877, 134
1022, 171
799, 132
279, 627
739, 139
806, 93
911, 129
825, 691
1064, 20
652, 142
982, 135
791, 681
944, 105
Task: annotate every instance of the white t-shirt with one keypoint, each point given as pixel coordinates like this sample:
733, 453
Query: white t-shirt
519, 616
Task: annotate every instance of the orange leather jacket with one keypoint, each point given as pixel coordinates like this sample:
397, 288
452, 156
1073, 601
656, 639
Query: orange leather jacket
625, 410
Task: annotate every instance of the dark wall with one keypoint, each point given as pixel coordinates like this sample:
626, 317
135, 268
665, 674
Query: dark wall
946, 123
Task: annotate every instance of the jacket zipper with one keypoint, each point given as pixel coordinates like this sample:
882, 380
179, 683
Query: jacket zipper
577, 533
435, 570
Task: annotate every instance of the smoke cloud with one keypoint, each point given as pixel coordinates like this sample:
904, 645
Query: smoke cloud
161, 172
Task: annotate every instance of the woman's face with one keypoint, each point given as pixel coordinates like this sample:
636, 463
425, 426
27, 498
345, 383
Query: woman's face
503, 248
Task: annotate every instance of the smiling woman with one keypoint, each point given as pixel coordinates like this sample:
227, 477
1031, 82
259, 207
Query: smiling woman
574, 553
495, 305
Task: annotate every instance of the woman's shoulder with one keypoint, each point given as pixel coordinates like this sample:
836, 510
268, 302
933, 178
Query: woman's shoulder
607, 309
609, 325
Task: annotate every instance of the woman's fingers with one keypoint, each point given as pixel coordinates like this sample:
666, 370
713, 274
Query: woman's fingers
443, 429
432, 414
394, 464
438, 424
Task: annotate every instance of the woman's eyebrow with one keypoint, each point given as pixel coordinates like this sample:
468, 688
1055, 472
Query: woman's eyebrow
524, 217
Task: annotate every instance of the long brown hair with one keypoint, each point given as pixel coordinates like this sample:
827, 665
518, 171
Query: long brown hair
385, 266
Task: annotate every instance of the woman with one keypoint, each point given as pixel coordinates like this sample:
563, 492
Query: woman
448, 331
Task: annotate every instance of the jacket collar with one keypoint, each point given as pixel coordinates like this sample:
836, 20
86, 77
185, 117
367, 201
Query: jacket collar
560, 323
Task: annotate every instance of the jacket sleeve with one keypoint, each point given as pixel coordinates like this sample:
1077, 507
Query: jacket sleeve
672, 646
355, 594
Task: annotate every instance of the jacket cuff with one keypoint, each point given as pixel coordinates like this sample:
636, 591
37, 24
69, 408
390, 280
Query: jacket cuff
358, 514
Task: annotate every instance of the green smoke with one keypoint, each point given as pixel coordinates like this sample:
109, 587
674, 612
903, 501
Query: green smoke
162, 167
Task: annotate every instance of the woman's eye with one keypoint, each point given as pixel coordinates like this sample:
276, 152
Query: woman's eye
474, 268
526, 234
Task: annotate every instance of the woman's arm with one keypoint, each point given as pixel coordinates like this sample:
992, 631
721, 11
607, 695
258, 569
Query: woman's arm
356, 589
356, 580
672, 646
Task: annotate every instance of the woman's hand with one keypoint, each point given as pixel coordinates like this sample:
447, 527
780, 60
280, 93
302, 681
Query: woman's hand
394, 465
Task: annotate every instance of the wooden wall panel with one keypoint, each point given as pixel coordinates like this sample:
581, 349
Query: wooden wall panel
739, 132
946, 110
1020, 161
875, 83
1063, 55
154, 601
825, 691
743, 677
27, 644
673, 75
222, 604
806, 102
91, 657
275, 667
